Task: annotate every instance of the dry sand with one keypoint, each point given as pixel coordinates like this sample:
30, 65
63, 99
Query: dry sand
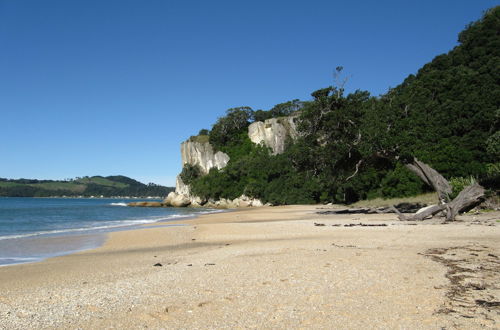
269, 268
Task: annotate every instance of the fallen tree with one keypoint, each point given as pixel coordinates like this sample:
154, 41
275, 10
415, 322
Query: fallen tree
469, 197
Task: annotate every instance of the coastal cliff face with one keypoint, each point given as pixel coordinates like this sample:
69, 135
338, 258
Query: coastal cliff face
203, 155
273, 133
181, 188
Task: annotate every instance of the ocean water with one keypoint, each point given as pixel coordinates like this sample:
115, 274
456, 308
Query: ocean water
32, 229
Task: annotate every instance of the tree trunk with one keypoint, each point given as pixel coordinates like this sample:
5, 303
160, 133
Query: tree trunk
467, 199
432, 178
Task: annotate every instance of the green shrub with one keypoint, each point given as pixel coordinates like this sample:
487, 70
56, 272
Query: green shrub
459, 183
493, 169
190, 173
199, 138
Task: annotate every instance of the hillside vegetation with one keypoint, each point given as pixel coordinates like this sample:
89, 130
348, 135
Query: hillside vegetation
86, 186
354, 146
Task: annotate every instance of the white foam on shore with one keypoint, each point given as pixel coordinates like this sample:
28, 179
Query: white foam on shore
211, 211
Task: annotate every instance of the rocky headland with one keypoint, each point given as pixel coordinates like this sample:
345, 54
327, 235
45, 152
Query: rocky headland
272, 133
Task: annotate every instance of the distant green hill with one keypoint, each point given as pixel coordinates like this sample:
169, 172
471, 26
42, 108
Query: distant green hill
86, 186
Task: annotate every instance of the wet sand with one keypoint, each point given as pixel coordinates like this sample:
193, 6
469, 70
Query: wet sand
274, 267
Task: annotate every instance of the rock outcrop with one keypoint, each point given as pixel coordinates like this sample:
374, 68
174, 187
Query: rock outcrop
273, 133
177, 200
182, 188
200, 153
242, 201
146, 204
203, 155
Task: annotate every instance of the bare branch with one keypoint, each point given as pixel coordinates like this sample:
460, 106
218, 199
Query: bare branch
355, 172
431, 211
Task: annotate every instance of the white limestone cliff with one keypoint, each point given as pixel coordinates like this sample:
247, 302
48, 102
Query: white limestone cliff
181, 187
203, 155
273, 133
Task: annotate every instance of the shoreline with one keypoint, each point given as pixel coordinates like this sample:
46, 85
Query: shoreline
262, 267
38, 249
40, 245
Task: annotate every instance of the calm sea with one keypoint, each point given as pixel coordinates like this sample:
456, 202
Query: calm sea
32, 229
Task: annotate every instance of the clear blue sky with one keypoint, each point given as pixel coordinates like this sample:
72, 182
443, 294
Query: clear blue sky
113, 87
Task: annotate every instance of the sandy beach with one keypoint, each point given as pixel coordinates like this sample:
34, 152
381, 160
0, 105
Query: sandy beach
281, 267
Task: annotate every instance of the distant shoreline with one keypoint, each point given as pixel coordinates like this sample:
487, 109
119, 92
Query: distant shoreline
95, 186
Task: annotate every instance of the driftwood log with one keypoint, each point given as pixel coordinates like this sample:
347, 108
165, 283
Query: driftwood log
469, 197
429, 212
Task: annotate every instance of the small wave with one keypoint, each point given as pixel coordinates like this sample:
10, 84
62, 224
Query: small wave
118, 204
18, 259
8, 261
124, 223
190, 215
211, 211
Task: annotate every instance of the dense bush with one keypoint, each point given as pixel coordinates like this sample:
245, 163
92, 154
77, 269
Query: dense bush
400, 182
230, 126
279, 110
190, 173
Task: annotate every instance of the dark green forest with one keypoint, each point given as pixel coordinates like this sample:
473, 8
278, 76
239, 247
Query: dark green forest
86, 186
354, 146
